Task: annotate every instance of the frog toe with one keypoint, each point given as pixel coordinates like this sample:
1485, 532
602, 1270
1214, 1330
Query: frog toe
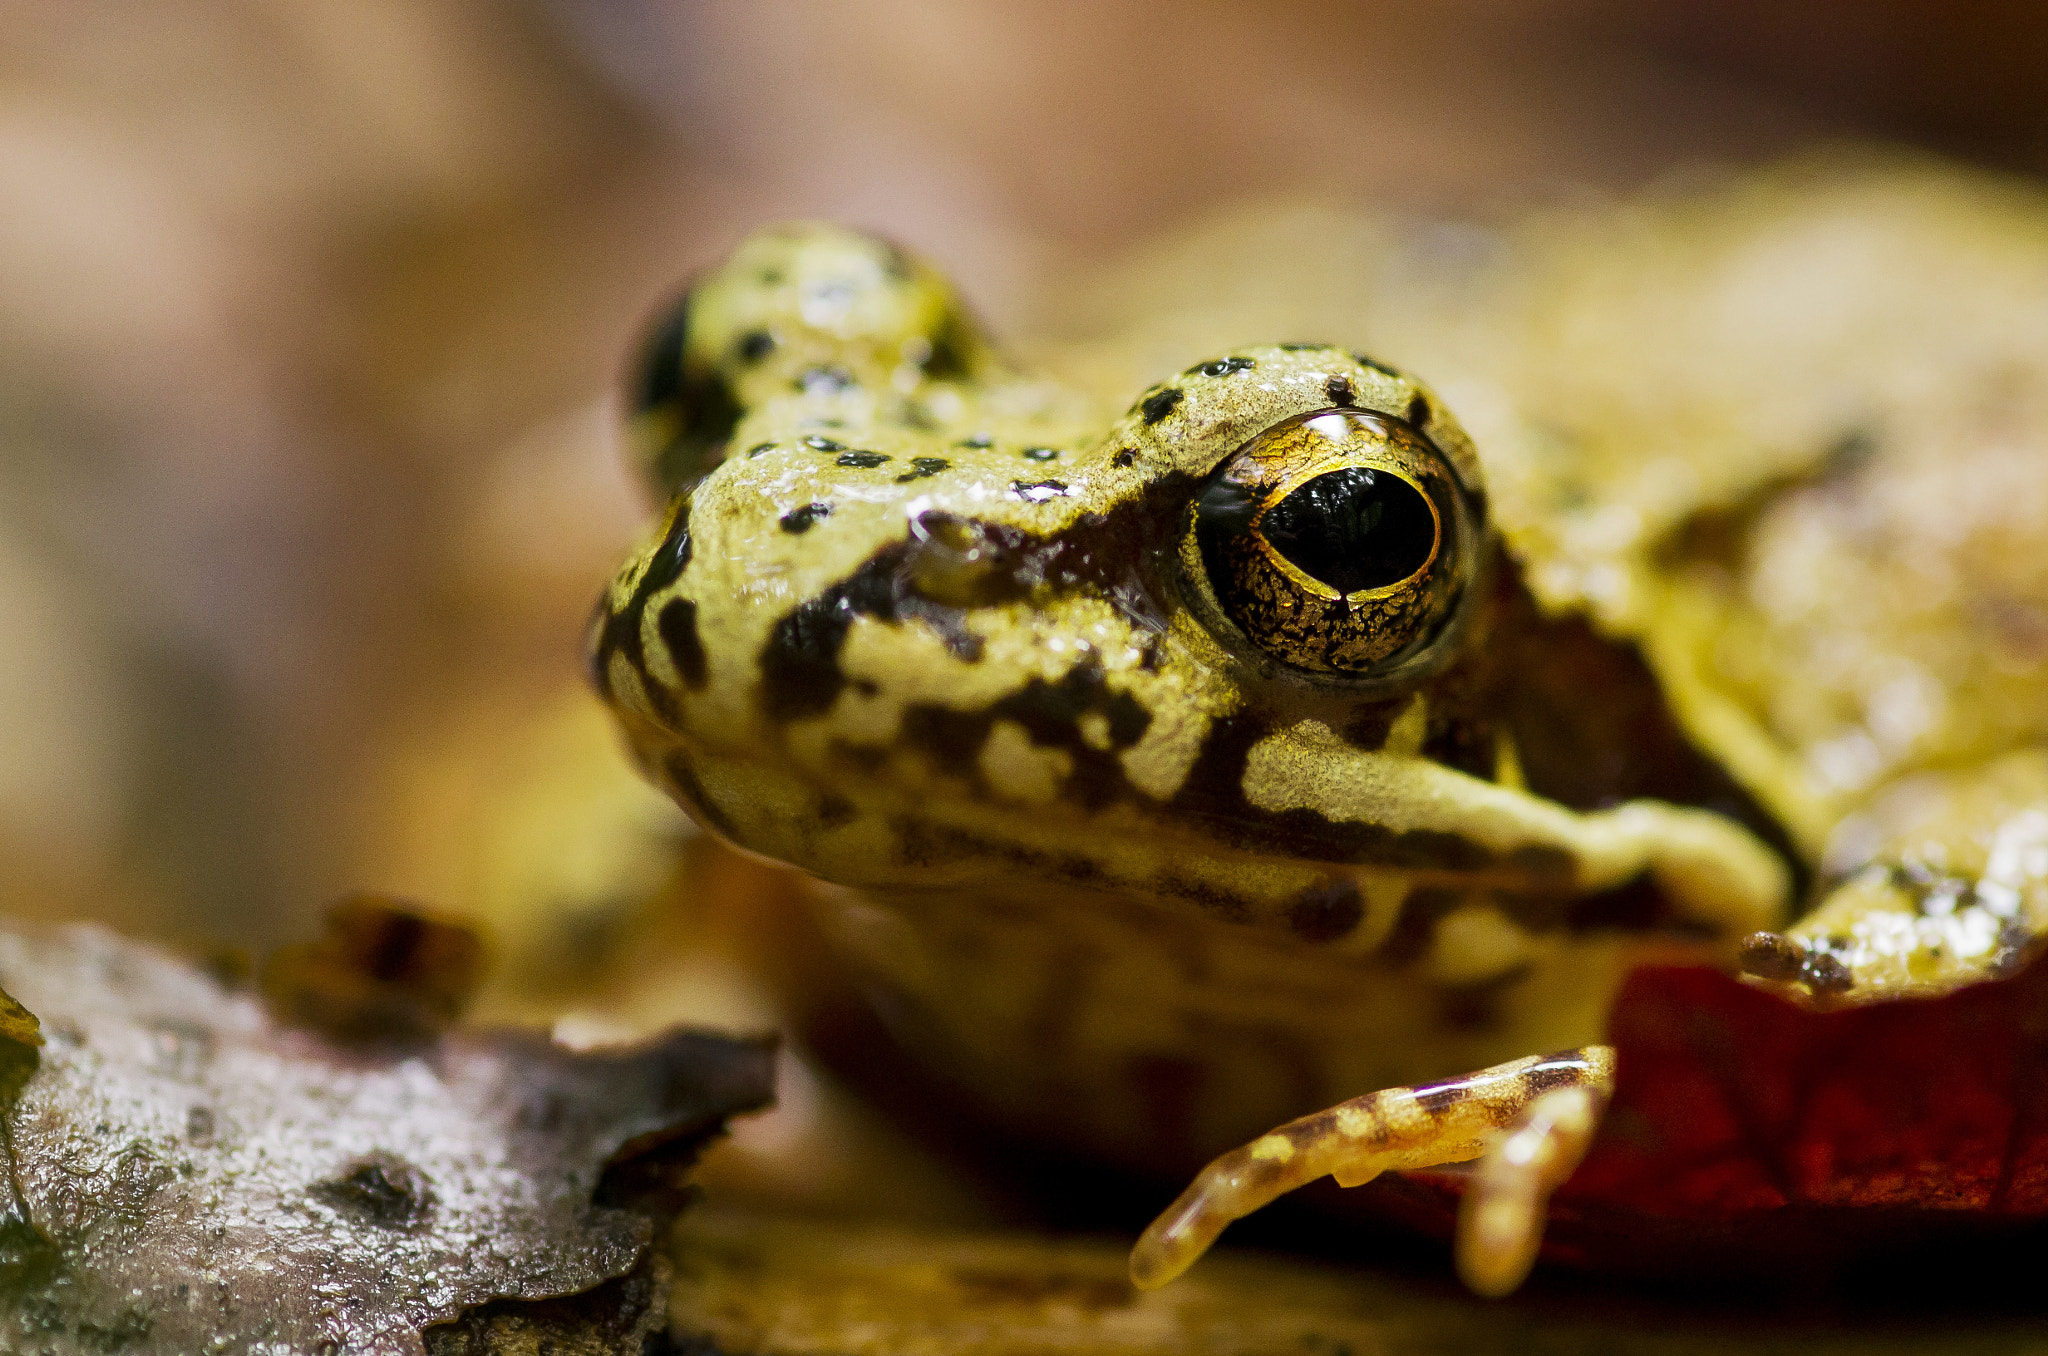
1500, 1221
1549, 1105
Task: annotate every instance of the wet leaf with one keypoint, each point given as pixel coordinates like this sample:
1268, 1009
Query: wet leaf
196, 1177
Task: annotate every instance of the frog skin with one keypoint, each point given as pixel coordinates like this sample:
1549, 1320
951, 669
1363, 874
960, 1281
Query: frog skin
1181, 767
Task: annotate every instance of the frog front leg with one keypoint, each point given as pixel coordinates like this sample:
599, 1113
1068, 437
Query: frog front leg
1940, 883
1529, 1123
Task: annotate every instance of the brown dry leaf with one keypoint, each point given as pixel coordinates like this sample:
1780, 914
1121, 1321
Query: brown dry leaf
196, 1178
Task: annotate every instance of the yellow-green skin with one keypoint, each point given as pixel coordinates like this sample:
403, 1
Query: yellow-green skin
1763, 601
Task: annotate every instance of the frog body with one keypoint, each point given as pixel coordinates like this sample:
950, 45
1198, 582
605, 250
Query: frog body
1183, 765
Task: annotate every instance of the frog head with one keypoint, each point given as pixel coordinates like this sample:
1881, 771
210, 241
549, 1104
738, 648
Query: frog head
915, 621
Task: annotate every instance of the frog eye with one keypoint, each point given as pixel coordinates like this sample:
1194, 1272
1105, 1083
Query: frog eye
1340, 542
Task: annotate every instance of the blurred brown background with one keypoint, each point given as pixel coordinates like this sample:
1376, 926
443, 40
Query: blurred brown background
310, 317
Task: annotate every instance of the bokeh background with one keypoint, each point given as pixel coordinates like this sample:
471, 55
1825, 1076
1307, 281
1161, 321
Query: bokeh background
312, 315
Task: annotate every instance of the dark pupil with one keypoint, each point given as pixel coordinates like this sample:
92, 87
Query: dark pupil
1354, 529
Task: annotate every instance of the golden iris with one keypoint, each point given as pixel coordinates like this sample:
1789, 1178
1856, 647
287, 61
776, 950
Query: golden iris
1338, 541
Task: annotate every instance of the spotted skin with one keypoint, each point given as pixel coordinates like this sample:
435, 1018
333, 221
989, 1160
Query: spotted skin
939, 632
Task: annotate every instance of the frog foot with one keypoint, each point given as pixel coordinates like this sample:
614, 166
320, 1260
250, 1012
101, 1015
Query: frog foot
1942, 882
1528, 1122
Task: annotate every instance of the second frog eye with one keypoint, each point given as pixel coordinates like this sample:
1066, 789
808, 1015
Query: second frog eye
1339, 542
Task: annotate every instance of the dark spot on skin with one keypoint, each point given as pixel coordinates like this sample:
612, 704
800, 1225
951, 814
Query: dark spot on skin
800, 673
755, 345
948, 360
1373, 365
1051, 716
953, 738
1437, 1098
1770, 955
824, 381
1414, 930
1039, 491
834, 812
1051, 712
866, 461
1338, 389
620, 630
798, 520
1566, 1069
1041, 454
976, 440
819, 443
1325, 913
1223, 367
1158, 405
1418, 411
920, 467
758, 448
676, 623
1124, 457
687, 405
382, 1190
770, 277
1303, 348
199, 1126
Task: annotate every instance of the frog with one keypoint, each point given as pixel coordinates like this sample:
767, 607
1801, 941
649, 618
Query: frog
1253, 756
